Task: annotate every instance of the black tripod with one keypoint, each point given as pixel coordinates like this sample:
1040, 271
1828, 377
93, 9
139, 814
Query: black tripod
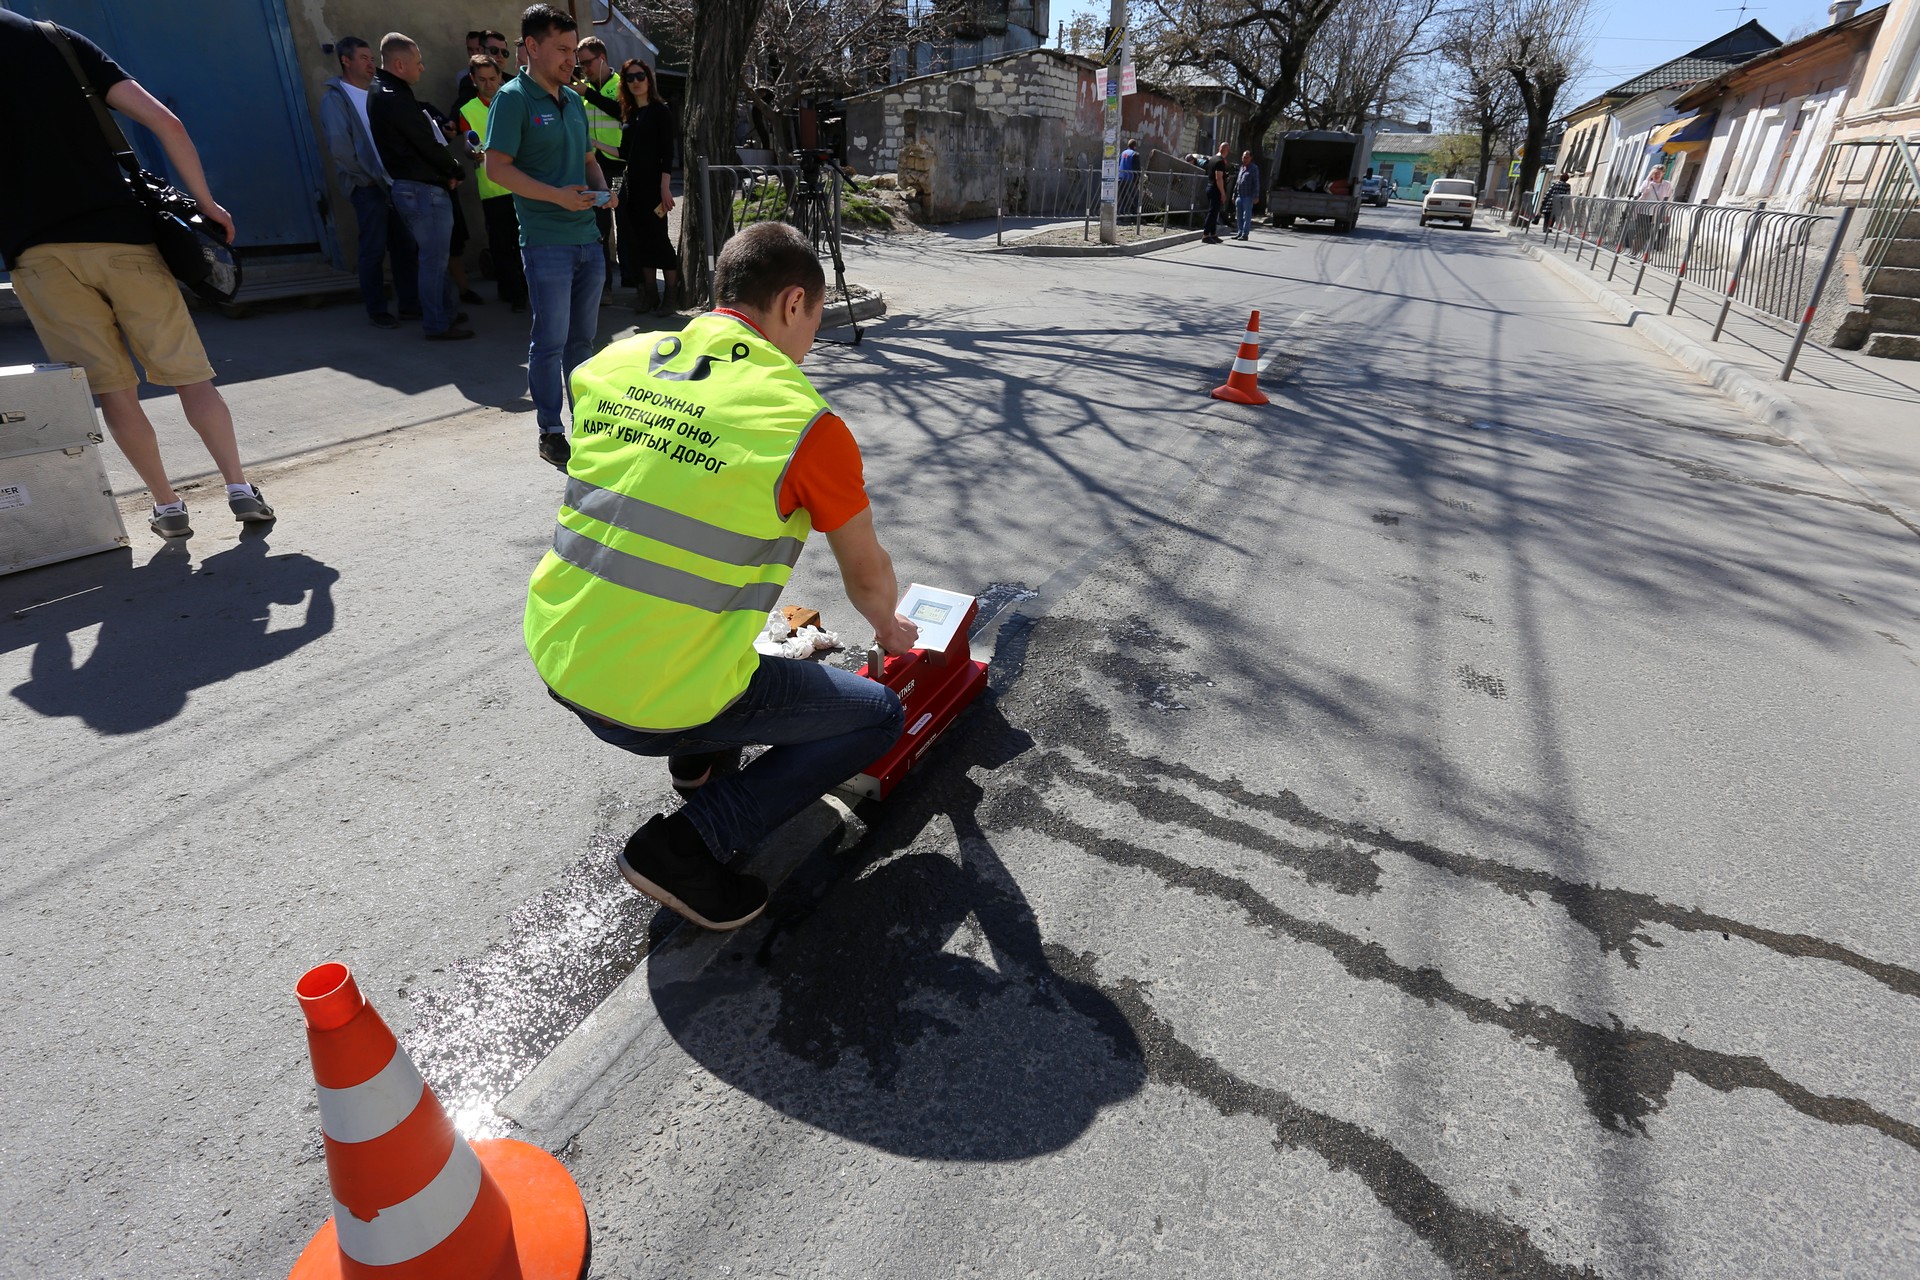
815, 217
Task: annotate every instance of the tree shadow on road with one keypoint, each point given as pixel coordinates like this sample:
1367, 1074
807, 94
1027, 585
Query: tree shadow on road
166, 629
906, 1000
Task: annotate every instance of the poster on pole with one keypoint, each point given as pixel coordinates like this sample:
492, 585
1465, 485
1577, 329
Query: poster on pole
1100, 82
1109, 191
1128, 83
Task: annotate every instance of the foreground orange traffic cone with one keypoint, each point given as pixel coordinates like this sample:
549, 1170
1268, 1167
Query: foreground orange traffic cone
1243, 384
412, 1198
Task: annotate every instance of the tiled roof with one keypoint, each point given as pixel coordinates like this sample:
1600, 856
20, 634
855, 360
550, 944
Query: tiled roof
1679, 71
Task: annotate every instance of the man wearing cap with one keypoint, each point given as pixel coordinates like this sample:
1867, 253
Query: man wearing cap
701, 461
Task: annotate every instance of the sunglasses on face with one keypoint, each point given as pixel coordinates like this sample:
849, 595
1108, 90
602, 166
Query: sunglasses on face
636, 75
496, 51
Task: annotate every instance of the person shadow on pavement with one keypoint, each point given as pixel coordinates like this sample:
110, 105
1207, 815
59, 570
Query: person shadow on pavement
168, 628
905, 999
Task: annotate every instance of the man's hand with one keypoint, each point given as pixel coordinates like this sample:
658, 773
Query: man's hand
574, 198
212, 212
613, 199
666, 203
898, 637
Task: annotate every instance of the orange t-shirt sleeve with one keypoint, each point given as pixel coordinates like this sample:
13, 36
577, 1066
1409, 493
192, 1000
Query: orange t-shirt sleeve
825, 476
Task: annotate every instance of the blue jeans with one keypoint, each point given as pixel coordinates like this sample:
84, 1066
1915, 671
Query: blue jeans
1243, 205
824, 725
563, 287
428, 212
381, 233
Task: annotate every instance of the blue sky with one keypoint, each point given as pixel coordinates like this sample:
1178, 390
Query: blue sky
1630, 36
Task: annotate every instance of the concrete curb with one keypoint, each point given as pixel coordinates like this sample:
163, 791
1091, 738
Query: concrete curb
864, 309
1096, 250
1760, 401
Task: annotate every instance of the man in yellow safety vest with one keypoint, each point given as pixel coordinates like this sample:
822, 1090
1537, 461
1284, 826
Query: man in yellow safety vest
598, 85
701, 461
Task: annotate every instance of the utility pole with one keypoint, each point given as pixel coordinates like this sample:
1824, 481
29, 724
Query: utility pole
1110, 134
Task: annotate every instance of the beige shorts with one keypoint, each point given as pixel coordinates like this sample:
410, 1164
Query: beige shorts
90, 302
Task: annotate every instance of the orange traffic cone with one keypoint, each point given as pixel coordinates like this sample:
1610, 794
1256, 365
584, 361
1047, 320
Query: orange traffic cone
1243, 384
412, 1199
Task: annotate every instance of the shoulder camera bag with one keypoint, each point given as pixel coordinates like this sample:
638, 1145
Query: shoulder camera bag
195, 247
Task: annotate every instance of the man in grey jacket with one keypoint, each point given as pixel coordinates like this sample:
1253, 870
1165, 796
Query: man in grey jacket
343, 118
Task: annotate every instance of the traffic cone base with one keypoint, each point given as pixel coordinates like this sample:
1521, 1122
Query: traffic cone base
1243, 384
548, 1226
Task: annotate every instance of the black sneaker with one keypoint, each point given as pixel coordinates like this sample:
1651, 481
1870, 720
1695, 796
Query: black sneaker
555, 449
690, 773
667, 860
383, 321
250, 508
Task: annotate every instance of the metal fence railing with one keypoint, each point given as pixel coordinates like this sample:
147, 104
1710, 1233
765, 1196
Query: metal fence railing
810, 196
1882, 176
1048, 193
1766, 262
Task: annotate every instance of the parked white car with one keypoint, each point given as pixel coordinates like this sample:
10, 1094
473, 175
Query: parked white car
1448, 199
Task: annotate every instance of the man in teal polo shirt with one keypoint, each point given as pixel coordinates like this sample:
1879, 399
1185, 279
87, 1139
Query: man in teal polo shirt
537, 149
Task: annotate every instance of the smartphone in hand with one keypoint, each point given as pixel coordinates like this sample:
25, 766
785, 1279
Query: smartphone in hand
599, 197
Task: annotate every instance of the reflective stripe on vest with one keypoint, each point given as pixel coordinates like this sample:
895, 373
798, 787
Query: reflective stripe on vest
476, 113
601, 127
685, 532
670, 547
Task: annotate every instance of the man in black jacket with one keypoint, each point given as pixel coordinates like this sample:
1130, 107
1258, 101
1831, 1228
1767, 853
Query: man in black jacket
424, 172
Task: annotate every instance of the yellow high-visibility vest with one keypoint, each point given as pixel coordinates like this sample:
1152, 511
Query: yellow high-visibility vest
475, 113
601, 127
670, 547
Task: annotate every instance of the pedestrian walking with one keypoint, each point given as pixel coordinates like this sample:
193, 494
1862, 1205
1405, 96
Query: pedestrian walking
425, 173
1217, 178
638, 619
1130, 180
646, 192
84, 265
537, 149
496, 202
1654, 191
1246, 189
1550, 205
380, 234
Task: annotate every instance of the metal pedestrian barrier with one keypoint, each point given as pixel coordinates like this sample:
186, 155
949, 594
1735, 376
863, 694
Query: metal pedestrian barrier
1766, 262
1051, 193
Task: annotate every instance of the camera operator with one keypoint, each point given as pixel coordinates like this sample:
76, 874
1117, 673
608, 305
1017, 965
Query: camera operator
84, 265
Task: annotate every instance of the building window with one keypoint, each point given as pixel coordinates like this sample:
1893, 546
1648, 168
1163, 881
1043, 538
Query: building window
1419, 176
1386, 173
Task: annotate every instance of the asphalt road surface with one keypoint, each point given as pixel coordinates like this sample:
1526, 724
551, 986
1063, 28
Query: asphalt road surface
1455, 820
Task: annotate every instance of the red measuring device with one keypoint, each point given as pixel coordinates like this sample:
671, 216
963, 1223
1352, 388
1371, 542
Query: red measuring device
936, 682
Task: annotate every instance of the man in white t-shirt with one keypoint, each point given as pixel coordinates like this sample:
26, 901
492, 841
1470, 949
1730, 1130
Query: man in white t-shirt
343, 119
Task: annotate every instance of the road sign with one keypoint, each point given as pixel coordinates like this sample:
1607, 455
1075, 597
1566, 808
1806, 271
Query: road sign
1513, 170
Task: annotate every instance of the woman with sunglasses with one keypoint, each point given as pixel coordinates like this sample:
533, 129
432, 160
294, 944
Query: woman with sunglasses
647, 133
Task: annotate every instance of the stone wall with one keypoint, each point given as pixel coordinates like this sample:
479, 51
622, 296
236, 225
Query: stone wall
950, 136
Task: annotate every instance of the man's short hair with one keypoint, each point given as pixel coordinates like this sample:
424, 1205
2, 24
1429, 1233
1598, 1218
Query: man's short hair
476, 35
542, 20
346, 46
480, 60
394, 42
501, 36
592, 44
763, 262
